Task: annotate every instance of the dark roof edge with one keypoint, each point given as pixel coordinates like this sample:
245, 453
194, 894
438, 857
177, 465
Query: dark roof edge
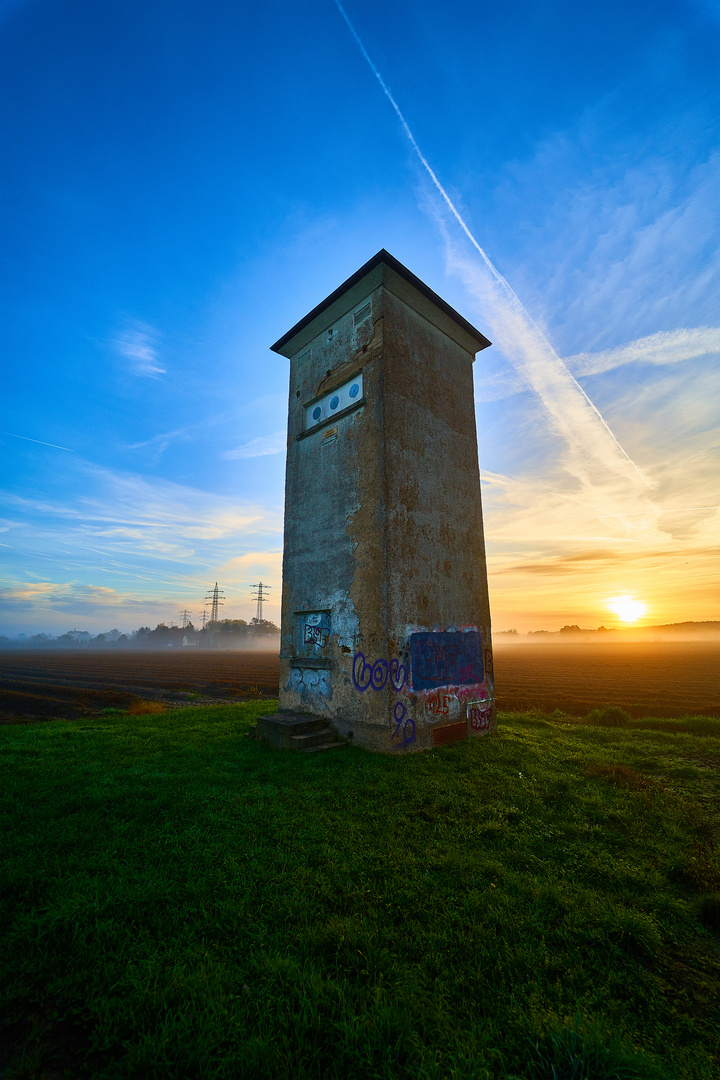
385, 257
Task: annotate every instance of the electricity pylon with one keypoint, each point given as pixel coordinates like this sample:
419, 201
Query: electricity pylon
260, 595
185, 615
215, 602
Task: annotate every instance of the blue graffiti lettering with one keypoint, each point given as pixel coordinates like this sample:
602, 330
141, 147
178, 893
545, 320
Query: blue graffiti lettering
398, 674
361, 672
408, 727
379, 674
367, 673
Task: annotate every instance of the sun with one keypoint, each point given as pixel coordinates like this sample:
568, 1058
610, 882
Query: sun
627, 608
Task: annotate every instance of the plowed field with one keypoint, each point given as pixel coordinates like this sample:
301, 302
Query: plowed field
41, 685
646, 678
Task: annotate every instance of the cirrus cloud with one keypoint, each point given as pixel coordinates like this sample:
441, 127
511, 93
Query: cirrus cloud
138, 345
266, 444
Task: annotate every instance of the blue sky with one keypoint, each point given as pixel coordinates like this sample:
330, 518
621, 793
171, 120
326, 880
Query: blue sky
183, 181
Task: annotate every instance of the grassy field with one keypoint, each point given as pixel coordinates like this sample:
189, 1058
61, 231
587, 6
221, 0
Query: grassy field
179, 901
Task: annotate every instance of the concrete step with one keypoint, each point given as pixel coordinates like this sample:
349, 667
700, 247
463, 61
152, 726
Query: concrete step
312, 738
296, 731
324, 746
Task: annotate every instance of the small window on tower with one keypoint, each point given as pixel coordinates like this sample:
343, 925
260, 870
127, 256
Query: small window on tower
336, 401
362, 314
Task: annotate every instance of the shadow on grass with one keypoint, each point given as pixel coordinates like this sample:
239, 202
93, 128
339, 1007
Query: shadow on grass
568, 1054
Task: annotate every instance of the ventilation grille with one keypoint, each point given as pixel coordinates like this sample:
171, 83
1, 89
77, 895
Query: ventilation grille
450, 733
362, 314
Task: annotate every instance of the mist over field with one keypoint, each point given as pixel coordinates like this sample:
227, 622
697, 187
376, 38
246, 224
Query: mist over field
237, 635
568, 635
666, 678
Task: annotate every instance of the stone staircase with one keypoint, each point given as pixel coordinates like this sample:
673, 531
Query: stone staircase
296, 731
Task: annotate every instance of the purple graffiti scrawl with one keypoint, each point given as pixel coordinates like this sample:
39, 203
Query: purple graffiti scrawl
398, 674
489, 665
361, 672
408, 726
379, 674
366, 673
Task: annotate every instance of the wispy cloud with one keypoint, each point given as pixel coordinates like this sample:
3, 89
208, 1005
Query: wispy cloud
137, 343
161, 441
56, 606
617, 261
56, 593
268, 406
266, 444
624, 246
159, 506
552, 549
667, 347
593, 454
580, 489
241, 571
603, 560
498, 386
592, 448
136, 523
163, 541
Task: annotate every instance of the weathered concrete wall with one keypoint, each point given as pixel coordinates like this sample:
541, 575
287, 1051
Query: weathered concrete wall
385, 620
322, 498
436, 572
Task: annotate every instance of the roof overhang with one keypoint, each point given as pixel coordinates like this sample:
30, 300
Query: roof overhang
382, 269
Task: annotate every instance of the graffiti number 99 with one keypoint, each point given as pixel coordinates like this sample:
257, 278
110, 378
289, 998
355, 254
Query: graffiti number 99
408, 726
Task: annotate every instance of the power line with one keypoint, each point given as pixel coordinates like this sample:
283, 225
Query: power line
260, 595
215, 602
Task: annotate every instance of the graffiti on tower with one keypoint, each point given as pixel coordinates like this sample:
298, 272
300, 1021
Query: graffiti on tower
385, 614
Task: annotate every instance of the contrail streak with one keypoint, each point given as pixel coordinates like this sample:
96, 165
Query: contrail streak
38, 441
498, 277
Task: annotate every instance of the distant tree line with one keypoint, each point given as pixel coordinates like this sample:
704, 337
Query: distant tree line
223, 634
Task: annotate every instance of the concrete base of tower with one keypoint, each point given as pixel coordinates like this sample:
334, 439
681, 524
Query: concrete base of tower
407, 735
297, 731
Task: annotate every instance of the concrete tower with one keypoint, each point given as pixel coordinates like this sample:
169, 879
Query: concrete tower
385, 616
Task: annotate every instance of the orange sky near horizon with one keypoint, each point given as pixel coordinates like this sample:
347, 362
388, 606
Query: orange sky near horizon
677, 586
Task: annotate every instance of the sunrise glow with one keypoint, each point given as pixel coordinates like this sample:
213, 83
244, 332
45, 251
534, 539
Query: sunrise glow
137, 472
627, 608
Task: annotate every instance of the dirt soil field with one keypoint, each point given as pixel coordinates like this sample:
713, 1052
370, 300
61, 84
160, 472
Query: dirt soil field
41, 685
646, 678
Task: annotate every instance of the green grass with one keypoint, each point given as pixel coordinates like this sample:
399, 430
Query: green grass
179, 901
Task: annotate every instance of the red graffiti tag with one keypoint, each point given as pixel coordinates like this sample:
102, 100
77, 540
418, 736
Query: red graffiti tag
479, 718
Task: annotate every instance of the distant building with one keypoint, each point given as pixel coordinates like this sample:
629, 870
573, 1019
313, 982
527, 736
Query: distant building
81, 636
385, 616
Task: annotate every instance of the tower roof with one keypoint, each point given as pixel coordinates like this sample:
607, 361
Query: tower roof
382, 269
